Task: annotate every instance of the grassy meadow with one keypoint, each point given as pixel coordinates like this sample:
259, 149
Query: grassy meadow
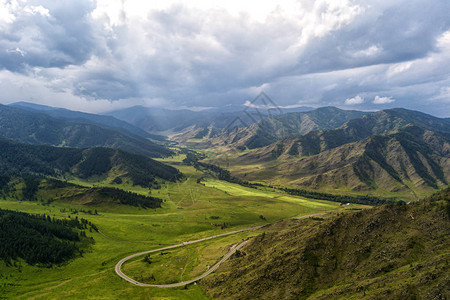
190, 210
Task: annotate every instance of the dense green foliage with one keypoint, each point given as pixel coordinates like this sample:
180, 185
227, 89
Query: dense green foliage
97, 161
4, 180
91, 196
31, 187
16, 158
128, 198
38, 239
144, 171
22, 160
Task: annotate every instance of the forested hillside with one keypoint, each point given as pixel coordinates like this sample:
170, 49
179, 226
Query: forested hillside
108, 122
38, 128
40, 239
22, 159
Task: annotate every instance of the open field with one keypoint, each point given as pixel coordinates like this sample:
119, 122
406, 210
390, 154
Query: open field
190, 211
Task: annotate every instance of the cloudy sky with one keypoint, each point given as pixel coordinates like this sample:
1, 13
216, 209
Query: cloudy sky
104, 55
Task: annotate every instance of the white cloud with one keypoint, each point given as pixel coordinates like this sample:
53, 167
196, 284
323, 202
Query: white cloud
33, 10
383, 100
7, 9
398, 68
355, 100
17, 50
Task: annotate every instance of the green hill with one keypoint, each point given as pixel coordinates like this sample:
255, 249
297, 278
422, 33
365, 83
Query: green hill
18, 159
391, 251
38, 128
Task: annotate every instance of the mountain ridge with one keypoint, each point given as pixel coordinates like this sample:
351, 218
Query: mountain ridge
39, 128
383, 152
18, 159
81, 117
269, 130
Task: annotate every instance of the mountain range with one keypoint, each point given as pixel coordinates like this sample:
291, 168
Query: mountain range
395, 152
88, 118
194, 124
37, 127
272, 129
387, 151
18, 159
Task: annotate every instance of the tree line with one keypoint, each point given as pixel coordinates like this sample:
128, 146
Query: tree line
40, 239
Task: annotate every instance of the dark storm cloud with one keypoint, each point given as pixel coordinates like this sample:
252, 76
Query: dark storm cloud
47, 34
323, 54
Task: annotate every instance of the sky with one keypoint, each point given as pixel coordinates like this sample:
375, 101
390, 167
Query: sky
98, 56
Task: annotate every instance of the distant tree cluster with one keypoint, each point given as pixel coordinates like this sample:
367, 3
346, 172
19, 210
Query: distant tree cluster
144, 171
363, 199
31, 187
129, 198
39, 239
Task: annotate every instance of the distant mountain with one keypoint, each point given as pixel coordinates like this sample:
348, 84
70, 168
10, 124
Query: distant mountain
81, 117
387, 252
377, 123
269, 130
17, 159
39, 128
407, 162
388, 151
197, 124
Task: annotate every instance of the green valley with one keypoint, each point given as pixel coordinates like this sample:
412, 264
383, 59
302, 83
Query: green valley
237, 150
190, 210
291, 201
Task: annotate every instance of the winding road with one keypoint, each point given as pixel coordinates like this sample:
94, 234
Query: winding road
233, 249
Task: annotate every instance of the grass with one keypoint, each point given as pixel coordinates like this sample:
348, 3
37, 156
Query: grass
190, 211
391, 251
181, 264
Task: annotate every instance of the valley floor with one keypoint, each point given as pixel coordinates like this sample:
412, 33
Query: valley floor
190, 211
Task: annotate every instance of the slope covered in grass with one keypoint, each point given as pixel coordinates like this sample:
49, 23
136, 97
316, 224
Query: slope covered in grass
391, 251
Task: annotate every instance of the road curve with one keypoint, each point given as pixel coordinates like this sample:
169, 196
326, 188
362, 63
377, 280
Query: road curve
233, 249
